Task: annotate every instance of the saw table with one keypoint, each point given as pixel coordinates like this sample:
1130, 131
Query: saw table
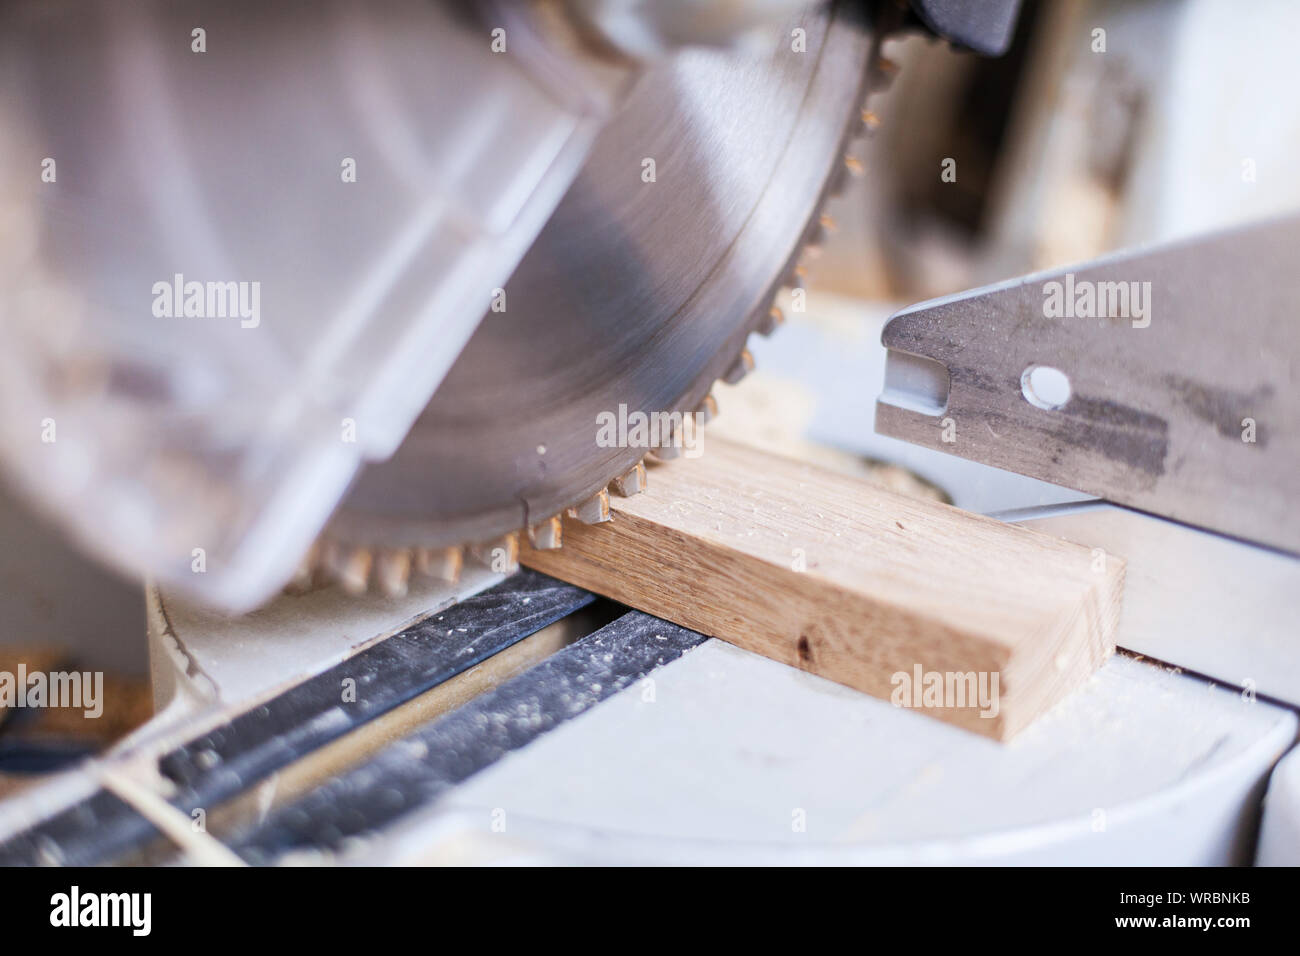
521, 719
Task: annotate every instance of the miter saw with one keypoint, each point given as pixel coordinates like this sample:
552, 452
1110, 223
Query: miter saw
354, 280
357, 282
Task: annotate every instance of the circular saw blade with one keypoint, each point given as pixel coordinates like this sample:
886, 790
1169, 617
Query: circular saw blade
666, 252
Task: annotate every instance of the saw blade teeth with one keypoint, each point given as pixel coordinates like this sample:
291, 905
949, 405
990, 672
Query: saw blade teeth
772, 321
499, 554
743, 365
632, 483
442, 563
352, 566
349, 567
546, 535
393, 571
671, 447
883, 76
707, 410
594, 510
813, 239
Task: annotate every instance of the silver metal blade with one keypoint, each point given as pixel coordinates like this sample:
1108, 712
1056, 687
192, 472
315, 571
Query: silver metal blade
1183, 369
637, 293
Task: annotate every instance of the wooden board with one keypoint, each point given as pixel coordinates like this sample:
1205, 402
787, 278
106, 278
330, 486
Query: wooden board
854, 583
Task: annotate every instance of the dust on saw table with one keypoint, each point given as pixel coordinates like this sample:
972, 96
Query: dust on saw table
979, 623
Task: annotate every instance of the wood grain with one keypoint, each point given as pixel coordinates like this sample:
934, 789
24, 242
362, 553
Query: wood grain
852, 582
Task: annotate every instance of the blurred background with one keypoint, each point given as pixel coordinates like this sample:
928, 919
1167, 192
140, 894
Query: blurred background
1107, 125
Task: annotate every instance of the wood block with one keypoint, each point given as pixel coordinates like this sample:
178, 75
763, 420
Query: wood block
881, 592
